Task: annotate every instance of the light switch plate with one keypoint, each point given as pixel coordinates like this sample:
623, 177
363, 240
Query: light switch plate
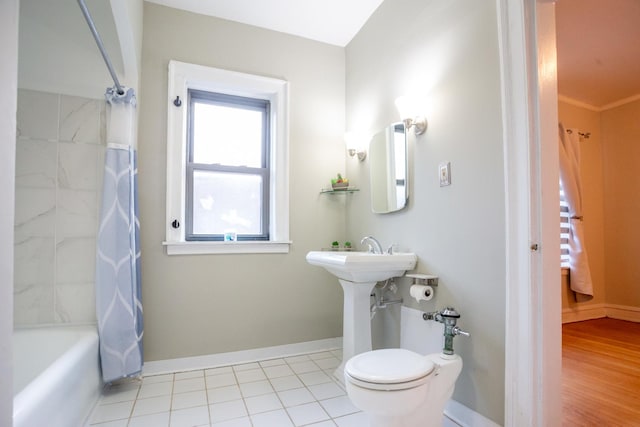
445, 173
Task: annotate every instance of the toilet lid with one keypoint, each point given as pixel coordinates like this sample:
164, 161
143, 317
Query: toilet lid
387, 366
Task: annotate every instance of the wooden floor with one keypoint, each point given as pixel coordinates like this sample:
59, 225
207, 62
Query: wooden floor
601, 373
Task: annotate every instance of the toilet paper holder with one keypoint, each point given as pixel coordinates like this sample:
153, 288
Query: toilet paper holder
423, 279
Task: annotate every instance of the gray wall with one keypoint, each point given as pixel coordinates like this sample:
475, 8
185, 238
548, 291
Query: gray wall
447, 52
206, 304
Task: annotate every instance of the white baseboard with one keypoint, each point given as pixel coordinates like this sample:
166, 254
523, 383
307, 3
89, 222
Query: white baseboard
622, 312
584, 312
465, 417
597, 311
244, 356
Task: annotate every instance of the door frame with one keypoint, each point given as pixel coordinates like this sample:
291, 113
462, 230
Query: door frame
532, 315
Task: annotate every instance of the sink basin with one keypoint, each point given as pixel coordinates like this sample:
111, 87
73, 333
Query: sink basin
362, 267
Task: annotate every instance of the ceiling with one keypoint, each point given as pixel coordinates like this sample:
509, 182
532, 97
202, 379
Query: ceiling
598, 50
329, 21
598, 40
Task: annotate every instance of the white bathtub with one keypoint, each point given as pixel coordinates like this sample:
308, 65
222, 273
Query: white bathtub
56, 375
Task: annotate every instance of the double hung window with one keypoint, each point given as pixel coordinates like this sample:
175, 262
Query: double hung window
227, 162
227, 167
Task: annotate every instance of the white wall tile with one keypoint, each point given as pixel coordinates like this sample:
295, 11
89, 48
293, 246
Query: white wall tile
77, 213
80, 119
37, 116
35, 210
75, 302
57, 201
33, 304
34, 261
76, 260
78, 166
36, 163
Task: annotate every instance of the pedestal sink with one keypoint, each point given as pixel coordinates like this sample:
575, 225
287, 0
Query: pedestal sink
358, 273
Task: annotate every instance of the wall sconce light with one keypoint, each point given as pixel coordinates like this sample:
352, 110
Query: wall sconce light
411, 114
355, 144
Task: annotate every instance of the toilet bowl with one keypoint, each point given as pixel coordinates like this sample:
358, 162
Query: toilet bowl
400, 388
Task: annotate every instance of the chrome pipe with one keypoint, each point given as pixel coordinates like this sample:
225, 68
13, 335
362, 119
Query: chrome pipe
96, 36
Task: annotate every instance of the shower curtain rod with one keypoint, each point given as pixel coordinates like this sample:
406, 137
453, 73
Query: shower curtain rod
584, 135
98, 40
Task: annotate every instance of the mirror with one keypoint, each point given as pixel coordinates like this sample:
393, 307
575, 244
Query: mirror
388, 169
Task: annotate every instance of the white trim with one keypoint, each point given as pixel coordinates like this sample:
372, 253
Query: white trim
9, 13
182, 77
622, 312
548, 331
461, 415
242, 356
584, 312
577, 103
620, 102
129, 49
519, 368
598, 311
200, 248
605, 107
532, 313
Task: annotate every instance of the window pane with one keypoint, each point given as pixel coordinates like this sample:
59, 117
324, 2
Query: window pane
227, 135
225, 202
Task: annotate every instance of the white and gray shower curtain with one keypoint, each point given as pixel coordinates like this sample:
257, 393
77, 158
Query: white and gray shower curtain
118, 293
580, 275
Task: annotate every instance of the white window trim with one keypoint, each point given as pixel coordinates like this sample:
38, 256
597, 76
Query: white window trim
182, 77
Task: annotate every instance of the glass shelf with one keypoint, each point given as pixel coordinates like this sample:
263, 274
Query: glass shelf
339, 191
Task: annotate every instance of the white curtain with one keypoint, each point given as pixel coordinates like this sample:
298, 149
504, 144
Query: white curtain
580, 275
118, 293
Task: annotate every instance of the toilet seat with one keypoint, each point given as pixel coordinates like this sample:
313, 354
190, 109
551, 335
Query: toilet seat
388, 369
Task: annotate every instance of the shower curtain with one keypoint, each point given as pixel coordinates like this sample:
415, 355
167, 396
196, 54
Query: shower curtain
580, 275
118, 294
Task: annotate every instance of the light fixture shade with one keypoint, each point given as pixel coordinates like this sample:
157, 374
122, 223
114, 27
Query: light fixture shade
356, 143
411, 113
351, 140
407, 107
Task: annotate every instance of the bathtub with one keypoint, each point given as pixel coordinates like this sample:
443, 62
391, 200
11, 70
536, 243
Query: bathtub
56, 375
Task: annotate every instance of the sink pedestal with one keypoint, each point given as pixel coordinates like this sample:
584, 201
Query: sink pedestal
356, 326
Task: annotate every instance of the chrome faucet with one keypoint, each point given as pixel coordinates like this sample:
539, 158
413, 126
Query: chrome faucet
374, 245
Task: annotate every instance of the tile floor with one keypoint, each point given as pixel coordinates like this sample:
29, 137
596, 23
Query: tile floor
292, 391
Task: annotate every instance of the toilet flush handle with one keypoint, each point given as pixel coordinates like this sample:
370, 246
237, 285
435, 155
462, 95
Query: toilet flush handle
457, 331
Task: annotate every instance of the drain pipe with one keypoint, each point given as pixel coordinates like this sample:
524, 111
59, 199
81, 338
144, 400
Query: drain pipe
380, 301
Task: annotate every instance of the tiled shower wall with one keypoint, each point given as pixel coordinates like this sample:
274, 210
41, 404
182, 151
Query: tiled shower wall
59, 166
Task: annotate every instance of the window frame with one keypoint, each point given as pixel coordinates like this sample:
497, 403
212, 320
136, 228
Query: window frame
214, 98
184, 77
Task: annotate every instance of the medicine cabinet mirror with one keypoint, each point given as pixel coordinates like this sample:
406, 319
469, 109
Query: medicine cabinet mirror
388, 169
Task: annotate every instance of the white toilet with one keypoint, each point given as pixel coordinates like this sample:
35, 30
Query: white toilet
400, 388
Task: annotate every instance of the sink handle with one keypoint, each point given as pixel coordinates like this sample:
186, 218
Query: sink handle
390, 249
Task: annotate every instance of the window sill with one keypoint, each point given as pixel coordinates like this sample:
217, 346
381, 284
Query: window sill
203, 248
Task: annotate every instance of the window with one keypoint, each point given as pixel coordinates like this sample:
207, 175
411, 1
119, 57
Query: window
227, 167
226, 162
564, 230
